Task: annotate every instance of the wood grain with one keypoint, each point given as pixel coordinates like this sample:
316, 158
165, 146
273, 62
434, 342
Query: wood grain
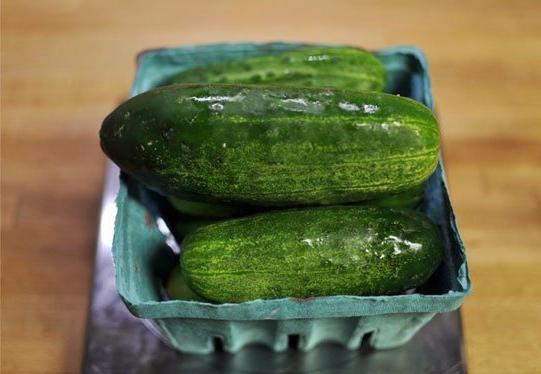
65, 64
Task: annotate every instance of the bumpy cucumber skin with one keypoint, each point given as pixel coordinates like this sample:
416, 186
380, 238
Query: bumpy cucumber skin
339, 67
272, 146
340, 250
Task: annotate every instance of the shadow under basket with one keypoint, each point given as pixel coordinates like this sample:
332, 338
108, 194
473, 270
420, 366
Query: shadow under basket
143, 259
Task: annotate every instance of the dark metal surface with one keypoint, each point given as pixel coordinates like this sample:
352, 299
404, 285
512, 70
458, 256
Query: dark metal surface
117, 342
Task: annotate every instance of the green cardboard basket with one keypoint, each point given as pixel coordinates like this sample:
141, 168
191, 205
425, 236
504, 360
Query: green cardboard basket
143, 260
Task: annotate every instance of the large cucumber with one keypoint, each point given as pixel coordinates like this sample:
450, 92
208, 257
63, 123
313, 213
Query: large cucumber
272, 146
339, 250
340, 67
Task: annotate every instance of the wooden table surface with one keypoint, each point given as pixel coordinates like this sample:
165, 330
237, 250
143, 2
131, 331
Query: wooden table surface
66, 64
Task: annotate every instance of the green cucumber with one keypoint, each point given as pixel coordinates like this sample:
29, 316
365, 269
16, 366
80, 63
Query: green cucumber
340, 67
194, 214
207, 210
185, 224
214, 213
178, 289
272, 146
410, 198
301, 253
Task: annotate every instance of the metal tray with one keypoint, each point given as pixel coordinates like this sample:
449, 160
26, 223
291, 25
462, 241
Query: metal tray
117, 342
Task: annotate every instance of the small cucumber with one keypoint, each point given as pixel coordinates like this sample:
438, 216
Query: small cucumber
339, 67
178, 289
207, 210
185, 224
410, 198
194, 214
338, 250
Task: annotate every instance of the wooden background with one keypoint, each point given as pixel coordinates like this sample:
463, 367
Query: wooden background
66, 63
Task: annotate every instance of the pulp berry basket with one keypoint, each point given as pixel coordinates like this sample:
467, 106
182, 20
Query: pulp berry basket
143, 260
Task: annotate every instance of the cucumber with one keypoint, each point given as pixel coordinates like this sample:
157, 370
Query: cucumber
193, 214
301, 253
178, 289
272, 146
408, 199
340, 67
207, 210
185, 224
